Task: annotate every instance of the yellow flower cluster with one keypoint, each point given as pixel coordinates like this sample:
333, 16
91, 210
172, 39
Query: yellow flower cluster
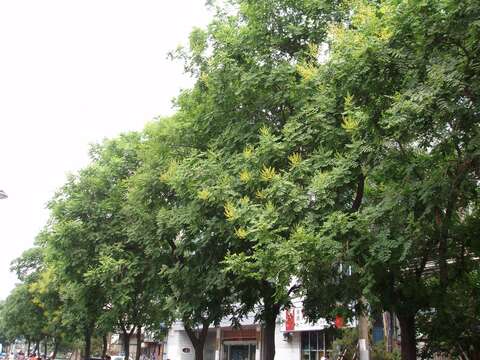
268, 173
248, 151
295, 159
244, 201
307, 71
350, 124
170, 172
204, 194
245, 176
260, 194
265, 131
241, 233
229, 211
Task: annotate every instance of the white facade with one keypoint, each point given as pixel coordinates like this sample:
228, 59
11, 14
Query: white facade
287, 346
225, 343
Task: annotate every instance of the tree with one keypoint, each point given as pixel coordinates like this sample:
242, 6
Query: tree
287, 171
249, 81
395, 135
409, 82
43, 298
169, 220
86, 223
21, 317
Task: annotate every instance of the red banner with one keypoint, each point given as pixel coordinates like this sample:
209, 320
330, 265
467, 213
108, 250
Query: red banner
290, 320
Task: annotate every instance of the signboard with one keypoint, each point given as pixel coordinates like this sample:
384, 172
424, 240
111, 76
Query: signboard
293, 319
186, 353
240, 334
290, 320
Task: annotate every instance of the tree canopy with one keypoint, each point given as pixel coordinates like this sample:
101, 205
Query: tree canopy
328, 150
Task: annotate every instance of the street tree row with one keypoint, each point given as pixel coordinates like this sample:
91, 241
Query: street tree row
328, 150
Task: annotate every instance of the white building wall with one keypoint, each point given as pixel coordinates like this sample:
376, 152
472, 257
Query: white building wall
287, 348
176, 341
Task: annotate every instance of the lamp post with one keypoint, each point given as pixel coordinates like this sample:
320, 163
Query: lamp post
3, 195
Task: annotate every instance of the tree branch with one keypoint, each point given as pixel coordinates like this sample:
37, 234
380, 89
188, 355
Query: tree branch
173, 247
293, 289
357, 202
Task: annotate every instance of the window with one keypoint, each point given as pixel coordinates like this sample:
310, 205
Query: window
313, 345
239, 351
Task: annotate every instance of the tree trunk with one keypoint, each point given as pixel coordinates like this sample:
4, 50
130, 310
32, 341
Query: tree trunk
28, 347
37, 347
363, 332
269, 339
475, 353
407, 332
139, 343
198, 342
104, 346
387, 333
126, 344
55, 348
88, 344
271, 311
45, 347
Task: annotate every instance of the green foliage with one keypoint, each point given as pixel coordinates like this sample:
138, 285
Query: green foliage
28, 266
287, 172
346, 341
380, 353
21, 317
455, 317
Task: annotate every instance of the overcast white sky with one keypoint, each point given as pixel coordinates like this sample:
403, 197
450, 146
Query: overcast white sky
71, 73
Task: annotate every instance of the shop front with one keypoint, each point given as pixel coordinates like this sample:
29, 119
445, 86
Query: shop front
222, 343
240, 344
295, 339
239, 350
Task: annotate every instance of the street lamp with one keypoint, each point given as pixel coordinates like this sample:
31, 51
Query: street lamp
3, 195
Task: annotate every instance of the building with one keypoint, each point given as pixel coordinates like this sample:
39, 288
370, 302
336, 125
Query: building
295, 338
150, 347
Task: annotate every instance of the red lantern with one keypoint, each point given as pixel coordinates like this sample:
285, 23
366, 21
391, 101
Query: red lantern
339, 322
